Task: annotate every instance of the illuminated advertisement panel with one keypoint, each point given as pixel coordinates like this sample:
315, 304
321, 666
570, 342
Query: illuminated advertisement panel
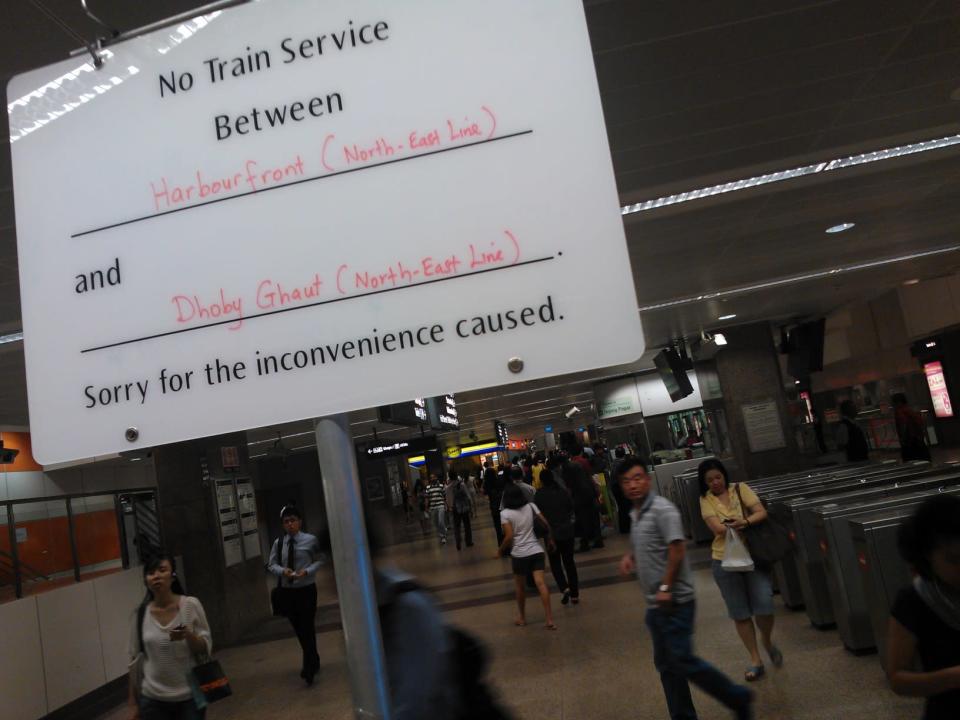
942, 407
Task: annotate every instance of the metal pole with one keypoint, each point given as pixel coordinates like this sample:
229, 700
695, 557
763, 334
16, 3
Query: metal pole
353, 568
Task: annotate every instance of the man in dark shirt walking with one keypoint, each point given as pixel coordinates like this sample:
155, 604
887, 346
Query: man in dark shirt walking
493, 485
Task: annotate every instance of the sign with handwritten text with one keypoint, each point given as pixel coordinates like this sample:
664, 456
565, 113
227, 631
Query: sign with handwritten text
293, 208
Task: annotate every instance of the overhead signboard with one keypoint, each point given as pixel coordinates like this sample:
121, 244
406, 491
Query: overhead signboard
402, 447
294, 208
443, 412
500, 433
413, 412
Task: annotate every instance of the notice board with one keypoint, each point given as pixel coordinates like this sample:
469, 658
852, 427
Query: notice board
293, 208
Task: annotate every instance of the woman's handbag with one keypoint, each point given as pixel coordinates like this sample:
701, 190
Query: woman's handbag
768, 541
736, 557
208, 683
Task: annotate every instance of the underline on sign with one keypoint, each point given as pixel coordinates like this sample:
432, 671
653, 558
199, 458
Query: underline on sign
319, 303
299, 182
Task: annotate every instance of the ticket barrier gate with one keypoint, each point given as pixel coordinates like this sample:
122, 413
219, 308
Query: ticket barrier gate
686, 489
840, 561
798, 587
883, 573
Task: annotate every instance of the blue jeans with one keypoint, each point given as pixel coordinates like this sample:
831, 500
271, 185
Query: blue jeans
672, 633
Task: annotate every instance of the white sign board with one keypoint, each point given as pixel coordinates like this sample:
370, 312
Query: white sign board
229, 522
247, 498
763, 426
294, 208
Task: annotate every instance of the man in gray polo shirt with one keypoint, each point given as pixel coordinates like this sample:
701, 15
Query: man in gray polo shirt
659, 559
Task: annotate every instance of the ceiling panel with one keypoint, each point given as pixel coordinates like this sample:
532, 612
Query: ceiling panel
693, 93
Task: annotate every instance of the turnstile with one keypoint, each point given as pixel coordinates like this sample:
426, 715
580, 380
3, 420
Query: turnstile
797, 587
840, 561
883, 573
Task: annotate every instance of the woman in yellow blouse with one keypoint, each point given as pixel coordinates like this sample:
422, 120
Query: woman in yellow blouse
748, 595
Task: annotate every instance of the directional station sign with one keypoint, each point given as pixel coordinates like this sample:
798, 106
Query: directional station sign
300, 207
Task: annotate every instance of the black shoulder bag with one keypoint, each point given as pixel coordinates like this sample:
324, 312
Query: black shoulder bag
768, 541
278, 598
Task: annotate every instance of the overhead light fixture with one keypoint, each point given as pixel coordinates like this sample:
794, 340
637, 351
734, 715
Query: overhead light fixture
912, 281
727, 317
719, 339
791, 279
790, 174
12, 337
571, 412
842, 227
796, 382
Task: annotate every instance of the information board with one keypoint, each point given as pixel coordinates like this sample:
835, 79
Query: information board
294, 208
763, 426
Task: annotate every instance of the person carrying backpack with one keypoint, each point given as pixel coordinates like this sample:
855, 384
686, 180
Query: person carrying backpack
435, 670
459, 500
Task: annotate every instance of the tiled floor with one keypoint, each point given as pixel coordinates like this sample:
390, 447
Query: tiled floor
598, 666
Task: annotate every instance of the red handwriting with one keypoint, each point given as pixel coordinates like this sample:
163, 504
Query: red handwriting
336, 155
496, 253
271, 295
254, 176
191, 307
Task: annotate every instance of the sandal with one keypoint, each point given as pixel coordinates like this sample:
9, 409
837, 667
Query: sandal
754, 673
551, 626
520, 623
776, 657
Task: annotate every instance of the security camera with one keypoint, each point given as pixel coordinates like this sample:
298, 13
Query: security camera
571, 412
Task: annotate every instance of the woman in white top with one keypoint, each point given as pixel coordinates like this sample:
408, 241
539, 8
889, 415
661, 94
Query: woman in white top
169, 630
526, 552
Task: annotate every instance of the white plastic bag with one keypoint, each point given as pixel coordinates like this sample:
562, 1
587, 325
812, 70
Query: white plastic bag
736, 557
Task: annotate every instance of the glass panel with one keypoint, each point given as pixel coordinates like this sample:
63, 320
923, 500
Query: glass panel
97, 536
43, 545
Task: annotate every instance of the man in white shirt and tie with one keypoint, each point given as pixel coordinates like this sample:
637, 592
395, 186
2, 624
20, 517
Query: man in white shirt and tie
295, 563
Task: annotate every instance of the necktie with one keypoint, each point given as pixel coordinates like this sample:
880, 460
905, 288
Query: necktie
291, 556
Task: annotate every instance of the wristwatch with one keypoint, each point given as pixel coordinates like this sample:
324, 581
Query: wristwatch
664, 588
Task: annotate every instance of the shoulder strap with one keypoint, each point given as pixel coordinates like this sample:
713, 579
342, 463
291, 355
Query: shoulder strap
141, 614
280, 558
743, 510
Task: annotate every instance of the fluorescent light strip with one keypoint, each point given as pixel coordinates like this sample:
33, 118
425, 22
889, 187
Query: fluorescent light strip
800, 278
12, 337
84, 83
835, 164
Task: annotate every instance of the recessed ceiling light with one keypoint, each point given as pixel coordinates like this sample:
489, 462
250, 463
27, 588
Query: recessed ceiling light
719, 339
727, 317
912, 281
840, 228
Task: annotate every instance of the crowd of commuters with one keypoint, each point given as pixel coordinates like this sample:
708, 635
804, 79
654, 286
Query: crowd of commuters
540, 509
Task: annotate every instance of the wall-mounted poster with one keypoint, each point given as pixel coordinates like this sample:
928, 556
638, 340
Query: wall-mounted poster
762, 423
937, 382
229, 521
248, 518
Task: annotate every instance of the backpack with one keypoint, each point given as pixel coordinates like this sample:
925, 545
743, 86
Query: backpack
468, 662
461, 499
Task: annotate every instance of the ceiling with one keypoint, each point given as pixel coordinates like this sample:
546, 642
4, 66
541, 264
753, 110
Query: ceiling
694, 94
